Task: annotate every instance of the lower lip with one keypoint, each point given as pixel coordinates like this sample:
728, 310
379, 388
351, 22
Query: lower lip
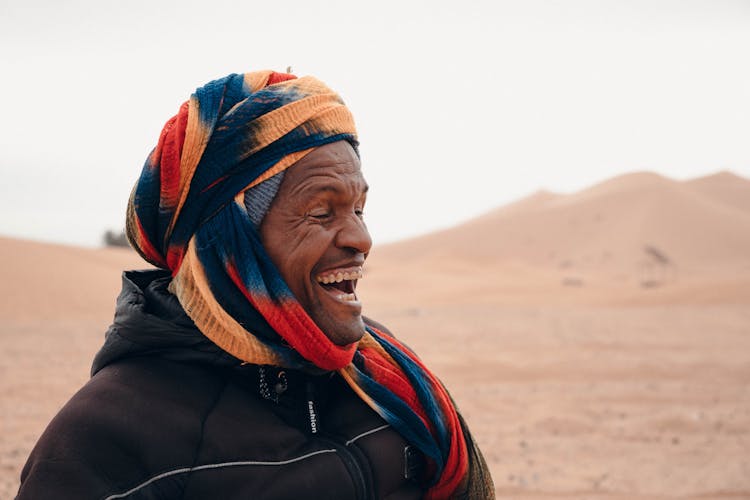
335, 295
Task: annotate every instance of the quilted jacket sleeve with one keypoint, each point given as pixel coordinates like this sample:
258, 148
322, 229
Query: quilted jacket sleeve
110, 437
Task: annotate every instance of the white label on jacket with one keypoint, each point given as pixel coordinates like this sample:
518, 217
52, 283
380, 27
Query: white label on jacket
313, 418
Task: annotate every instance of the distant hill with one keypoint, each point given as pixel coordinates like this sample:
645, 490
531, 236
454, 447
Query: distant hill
724, 187
635, 230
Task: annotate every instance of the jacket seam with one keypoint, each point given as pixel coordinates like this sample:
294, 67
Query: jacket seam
183, 470
366, 433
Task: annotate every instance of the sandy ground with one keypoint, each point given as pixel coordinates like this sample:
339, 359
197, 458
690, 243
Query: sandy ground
582, 376
598, 402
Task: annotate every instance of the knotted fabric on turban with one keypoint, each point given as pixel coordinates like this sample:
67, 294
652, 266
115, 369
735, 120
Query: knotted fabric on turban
187, 213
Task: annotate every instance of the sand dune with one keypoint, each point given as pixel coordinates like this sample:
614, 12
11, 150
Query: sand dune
598, 342
724, 187
701, 223
635, 231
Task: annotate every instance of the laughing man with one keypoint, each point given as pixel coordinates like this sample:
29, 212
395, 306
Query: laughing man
242, 366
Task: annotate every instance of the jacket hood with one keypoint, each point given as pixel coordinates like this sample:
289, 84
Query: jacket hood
149, 320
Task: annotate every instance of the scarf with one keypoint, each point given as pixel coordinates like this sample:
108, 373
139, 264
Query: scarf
187, 214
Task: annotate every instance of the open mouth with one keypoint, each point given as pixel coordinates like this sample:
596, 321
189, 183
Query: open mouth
341, 283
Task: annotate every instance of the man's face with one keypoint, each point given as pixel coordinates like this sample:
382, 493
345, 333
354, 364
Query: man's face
315, 235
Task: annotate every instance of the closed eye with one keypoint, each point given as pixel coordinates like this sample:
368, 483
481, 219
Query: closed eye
320, 214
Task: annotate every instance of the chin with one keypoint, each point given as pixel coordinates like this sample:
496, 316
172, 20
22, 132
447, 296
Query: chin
345, 334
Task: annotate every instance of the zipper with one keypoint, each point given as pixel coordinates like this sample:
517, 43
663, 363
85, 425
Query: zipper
362, 490
362, 486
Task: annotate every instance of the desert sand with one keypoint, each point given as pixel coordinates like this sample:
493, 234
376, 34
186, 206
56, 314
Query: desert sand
598, 343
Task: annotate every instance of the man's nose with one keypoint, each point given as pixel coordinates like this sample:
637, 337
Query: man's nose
354, 235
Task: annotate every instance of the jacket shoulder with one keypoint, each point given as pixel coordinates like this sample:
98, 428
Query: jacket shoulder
112, 433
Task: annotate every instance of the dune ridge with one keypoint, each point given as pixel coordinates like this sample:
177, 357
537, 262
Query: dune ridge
626, 234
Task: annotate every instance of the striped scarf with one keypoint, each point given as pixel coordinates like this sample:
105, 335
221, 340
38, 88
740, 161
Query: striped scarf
187, 214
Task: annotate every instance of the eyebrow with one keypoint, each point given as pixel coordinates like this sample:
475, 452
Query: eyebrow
329, 188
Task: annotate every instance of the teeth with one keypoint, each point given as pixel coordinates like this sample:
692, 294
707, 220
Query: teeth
340, 276
347, 297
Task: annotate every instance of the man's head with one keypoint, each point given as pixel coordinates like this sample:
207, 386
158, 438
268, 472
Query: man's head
315, 235
242, 149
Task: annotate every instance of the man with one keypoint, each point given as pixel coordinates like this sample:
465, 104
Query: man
243, 367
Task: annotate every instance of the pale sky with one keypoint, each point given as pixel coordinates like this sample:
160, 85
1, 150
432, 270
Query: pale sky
461, 106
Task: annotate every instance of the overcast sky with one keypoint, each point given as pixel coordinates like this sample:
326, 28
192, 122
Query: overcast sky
461, 106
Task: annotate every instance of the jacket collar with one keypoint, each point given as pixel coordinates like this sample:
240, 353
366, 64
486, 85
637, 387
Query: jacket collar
149, 320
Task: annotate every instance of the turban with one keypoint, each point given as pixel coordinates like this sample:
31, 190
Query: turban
191, 212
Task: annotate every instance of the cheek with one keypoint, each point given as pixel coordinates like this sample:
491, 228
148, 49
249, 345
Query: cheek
296, 254
279, 236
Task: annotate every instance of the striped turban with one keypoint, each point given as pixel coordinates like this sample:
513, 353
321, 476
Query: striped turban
191, 213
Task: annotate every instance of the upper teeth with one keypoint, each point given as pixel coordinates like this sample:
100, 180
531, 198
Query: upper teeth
340, 276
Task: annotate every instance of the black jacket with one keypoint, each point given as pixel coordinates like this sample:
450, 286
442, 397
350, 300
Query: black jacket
168, 415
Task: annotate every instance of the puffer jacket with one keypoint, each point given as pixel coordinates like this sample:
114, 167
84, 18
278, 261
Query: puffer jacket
169, 415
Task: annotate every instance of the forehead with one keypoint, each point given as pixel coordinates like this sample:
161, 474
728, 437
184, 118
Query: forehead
333, 166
